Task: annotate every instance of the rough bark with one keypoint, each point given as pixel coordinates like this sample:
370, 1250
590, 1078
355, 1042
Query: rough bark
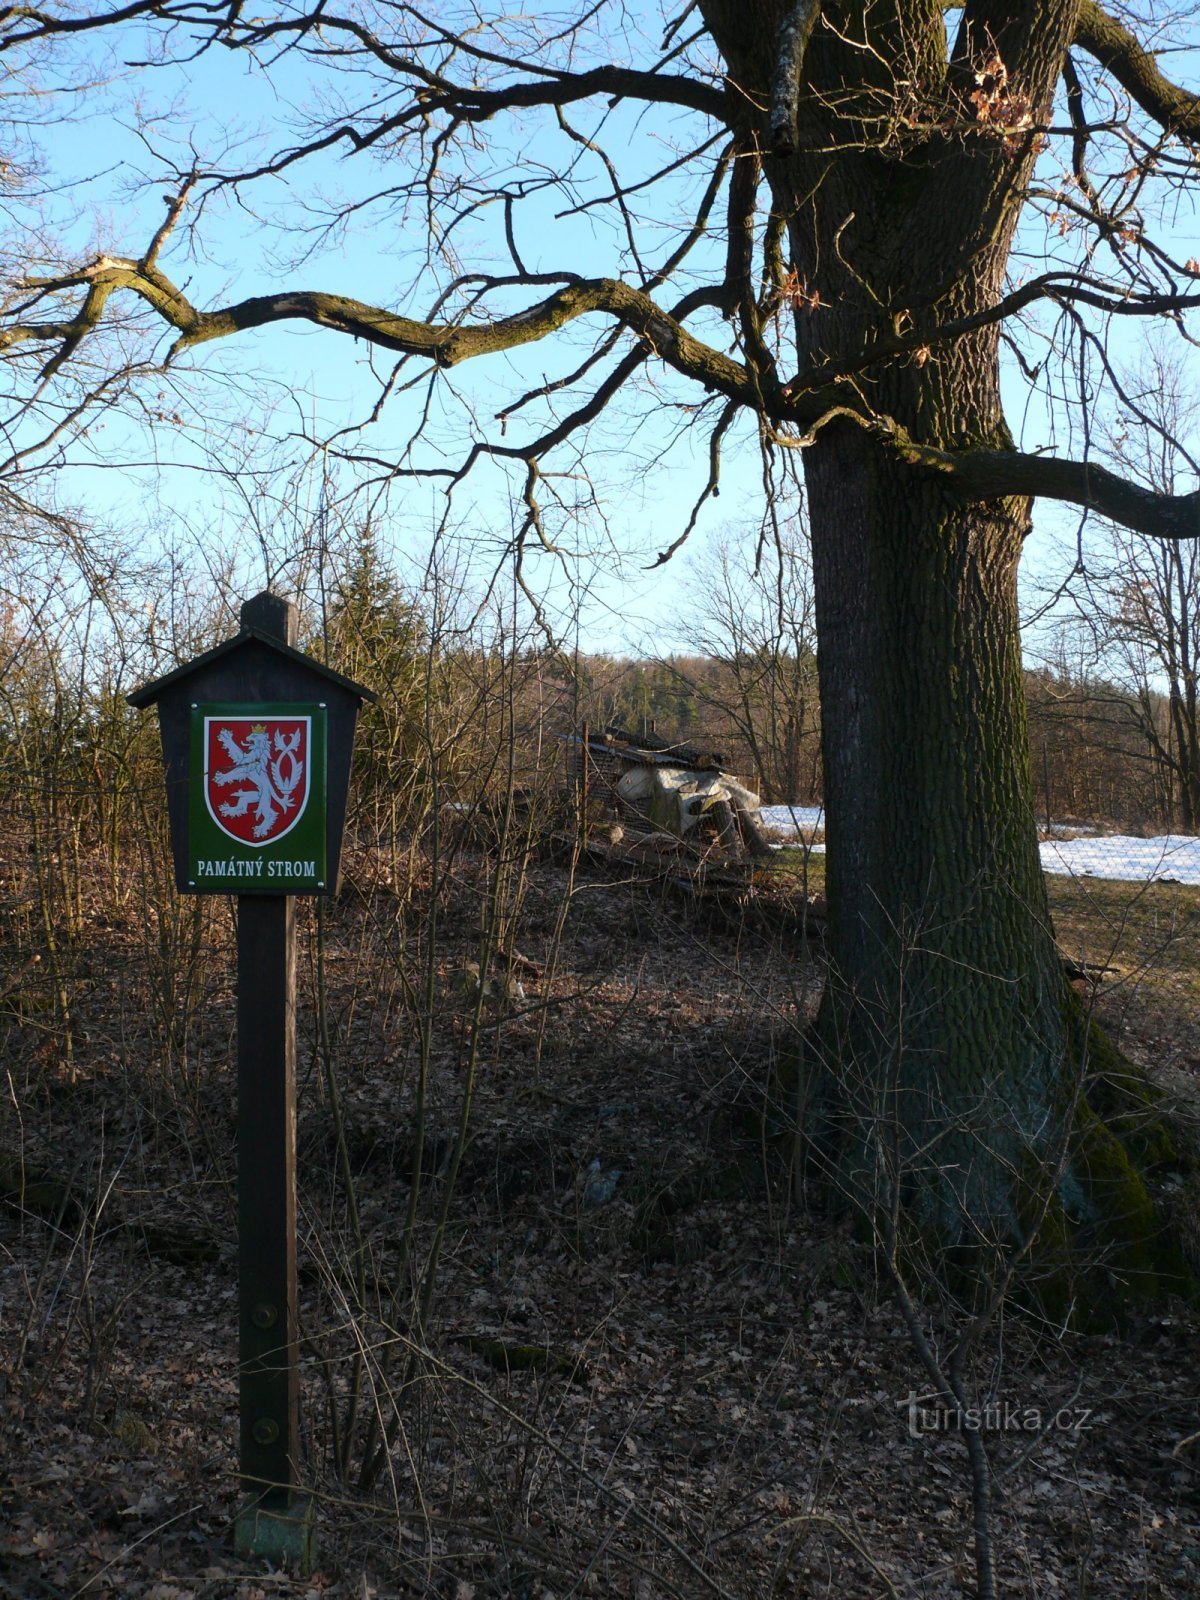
946, 998
949, 1062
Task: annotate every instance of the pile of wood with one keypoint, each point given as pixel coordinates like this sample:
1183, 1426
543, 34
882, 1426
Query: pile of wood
670, 793
608, 753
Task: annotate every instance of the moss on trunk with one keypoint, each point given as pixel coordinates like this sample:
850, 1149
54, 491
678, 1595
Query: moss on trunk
951, 1067
1076, 1208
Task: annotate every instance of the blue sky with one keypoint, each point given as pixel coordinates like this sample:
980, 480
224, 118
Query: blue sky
290, 382
295, 381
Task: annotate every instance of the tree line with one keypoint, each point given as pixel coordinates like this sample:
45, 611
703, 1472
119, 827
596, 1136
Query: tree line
486, 694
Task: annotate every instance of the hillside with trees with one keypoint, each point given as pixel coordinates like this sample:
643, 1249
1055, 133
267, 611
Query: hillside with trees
553, 1249
525, 293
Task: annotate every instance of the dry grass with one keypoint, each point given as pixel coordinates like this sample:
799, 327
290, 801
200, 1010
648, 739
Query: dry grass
644, 1372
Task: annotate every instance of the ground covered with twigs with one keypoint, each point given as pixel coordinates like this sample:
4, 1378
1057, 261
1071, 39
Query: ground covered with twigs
612, 1352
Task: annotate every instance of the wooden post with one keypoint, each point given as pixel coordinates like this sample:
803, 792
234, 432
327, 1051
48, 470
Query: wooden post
257, 741
275, 1522
266, 1147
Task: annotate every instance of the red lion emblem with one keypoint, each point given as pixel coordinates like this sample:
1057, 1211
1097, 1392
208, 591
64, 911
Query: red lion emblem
256, 775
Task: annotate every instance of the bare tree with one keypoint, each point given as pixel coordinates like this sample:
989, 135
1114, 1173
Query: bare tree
754, 623
822, 219
1090, 756
1145, 597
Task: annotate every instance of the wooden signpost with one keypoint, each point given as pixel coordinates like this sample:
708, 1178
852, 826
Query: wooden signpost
257, 740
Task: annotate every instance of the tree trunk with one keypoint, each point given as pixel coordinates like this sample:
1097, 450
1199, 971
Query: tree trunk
949, 1048
954, 1070
946, 991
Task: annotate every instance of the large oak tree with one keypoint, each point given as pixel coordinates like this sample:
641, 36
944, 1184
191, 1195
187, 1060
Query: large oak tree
859, 176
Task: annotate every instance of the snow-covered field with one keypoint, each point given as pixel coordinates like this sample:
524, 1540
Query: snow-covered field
1171, 858
797, 819
800, 822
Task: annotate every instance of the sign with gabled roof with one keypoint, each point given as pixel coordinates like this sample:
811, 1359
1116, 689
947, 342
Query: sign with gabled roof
257, 739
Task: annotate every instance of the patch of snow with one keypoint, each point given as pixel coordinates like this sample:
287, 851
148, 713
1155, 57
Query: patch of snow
792, 819
1170, 858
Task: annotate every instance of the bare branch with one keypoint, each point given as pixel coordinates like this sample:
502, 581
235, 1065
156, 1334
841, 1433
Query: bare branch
29, 22
994, 474
1117, 50
1079, 130
619, 83
711, 489
739, 252
794, 34
446, 344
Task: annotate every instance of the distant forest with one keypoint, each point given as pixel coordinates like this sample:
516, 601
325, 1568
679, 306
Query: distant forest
1098, 752
1101, 750
471, 701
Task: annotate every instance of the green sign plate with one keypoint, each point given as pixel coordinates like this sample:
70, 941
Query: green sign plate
257, 799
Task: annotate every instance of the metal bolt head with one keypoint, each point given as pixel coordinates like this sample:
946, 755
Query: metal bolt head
265, 1431
264, 1315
